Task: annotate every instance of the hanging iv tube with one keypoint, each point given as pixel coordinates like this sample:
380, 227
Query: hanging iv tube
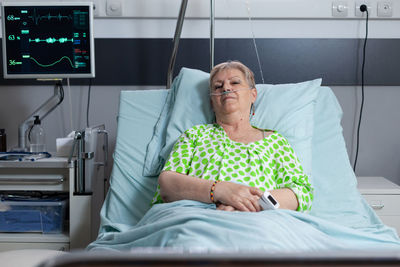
177, 37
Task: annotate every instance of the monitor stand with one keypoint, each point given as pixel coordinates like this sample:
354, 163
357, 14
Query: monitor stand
42, 112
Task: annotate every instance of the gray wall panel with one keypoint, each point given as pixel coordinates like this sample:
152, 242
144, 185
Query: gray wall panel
337, 61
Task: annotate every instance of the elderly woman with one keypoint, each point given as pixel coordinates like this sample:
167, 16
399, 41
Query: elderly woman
231, 163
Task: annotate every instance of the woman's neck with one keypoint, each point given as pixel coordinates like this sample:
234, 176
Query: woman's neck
234, 121
239, 128
235, 126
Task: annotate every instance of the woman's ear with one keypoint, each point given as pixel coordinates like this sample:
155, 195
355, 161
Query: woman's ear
254, 94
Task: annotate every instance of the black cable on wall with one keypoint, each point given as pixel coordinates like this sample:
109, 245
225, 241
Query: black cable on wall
363, 8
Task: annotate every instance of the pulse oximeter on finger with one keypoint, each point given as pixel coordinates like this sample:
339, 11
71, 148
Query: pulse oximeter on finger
268, 202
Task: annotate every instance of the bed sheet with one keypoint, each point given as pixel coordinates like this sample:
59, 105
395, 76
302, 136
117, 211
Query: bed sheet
130, 194
196, 226
337, 198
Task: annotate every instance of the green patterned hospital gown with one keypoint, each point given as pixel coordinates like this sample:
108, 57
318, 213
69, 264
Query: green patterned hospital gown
205, 151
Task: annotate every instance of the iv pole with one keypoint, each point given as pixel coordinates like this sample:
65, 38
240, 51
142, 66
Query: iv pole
177, 37
212, 31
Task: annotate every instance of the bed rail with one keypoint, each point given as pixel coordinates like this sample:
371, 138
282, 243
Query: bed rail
177, 37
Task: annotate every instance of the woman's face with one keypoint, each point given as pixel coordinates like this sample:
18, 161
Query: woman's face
231, 80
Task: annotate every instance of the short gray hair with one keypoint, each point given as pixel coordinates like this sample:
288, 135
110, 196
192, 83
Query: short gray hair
233, 64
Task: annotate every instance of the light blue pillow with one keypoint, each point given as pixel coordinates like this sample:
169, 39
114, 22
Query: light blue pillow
287, 108
187, 104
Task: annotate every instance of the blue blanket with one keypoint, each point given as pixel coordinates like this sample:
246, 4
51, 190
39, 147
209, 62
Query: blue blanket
195, 225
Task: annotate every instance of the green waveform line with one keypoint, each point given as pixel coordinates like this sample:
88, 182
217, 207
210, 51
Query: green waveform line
37, 17
52, 64
51, 40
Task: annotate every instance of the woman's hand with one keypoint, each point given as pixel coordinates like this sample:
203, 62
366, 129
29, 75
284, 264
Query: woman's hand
237, 196
225, 207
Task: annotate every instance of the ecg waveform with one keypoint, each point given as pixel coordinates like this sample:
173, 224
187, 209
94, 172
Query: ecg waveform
36, 18
51, 40
55, 62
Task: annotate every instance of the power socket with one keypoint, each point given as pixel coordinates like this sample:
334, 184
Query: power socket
385, 9
340, 9
358, 11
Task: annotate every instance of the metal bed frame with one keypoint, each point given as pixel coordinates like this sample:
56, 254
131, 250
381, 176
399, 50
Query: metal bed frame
162, 258
177, 37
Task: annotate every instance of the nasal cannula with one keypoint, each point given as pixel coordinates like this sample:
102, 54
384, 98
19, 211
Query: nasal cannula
232, 91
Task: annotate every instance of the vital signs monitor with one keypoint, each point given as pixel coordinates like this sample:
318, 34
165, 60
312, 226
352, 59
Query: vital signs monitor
48, 40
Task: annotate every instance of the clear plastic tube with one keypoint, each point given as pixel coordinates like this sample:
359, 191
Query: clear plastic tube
232, 91
254, 40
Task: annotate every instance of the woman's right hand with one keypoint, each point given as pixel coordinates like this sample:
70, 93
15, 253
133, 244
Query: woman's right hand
240, 197
223, 207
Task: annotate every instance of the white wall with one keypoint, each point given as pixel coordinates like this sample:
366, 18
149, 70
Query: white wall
231, 9
379, 152
380, 145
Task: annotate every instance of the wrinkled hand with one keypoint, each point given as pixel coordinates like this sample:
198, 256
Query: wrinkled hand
237, 196
225, 207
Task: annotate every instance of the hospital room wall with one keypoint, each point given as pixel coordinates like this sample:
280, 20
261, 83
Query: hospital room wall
379, 146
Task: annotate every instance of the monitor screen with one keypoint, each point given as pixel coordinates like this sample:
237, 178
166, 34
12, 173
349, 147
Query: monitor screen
48, 40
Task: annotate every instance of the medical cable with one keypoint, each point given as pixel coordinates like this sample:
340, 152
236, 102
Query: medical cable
254, 41
363, 8
35, 156
88, 103
232, 91
70, 105
24, 156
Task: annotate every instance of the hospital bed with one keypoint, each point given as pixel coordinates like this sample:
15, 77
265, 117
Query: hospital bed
307, 114
341, 227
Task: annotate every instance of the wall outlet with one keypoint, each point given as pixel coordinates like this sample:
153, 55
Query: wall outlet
340, 9
385, 9
363, 14
358, 11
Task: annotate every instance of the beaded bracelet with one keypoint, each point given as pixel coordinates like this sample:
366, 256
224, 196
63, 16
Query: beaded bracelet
212, 191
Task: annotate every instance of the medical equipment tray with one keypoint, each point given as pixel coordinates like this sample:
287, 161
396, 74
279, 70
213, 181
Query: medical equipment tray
23, 214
